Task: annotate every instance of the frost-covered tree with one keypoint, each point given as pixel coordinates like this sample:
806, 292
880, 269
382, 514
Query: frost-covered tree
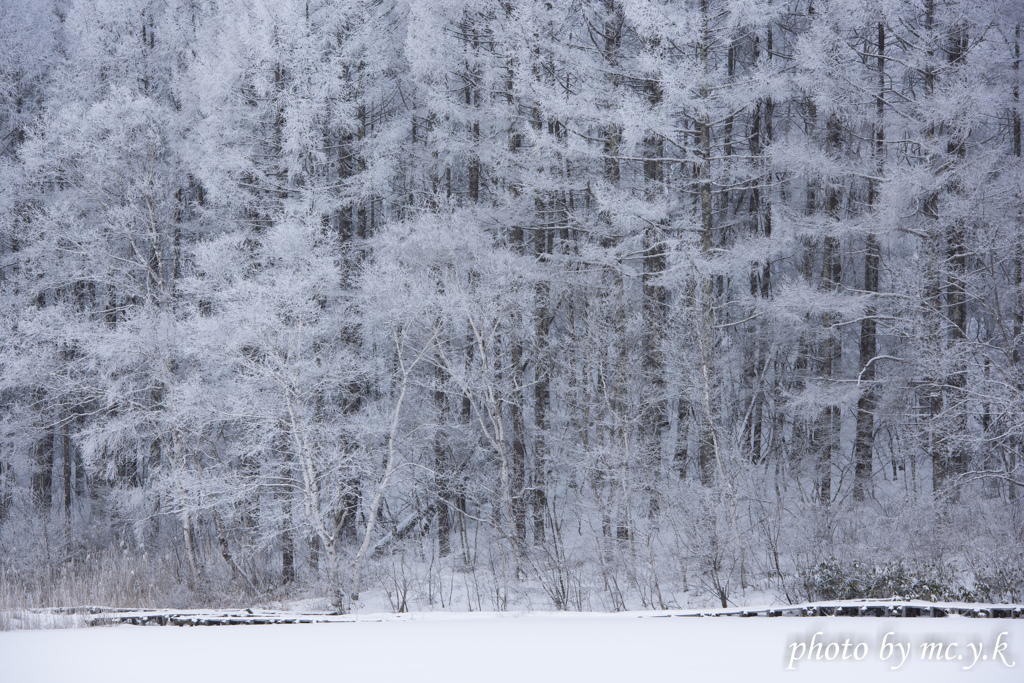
604, 301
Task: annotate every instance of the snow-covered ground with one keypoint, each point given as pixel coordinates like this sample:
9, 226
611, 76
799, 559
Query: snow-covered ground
485, 647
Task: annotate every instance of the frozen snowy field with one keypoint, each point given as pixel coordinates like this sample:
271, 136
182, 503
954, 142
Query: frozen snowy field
536, 647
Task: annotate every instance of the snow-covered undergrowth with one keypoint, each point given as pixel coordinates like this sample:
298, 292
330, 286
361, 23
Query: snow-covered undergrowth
689, 558
20, 619
115, 579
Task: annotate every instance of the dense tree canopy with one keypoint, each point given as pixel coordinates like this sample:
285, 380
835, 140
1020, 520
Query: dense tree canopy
594, 304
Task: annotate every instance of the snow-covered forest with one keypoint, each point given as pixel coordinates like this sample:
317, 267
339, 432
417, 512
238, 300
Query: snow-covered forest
481, 304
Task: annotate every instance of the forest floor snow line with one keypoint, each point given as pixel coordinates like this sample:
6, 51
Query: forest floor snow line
894, 607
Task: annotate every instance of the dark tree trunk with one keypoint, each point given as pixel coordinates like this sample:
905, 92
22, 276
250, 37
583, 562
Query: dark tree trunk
541, 391
952, 457
707, 452
866, 404
442, 466
831, 353
69, 483
518, 465
287, 554
655, 303
1018, 259
42, 474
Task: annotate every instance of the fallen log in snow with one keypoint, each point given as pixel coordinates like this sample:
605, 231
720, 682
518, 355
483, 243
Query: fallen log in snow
893, 607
